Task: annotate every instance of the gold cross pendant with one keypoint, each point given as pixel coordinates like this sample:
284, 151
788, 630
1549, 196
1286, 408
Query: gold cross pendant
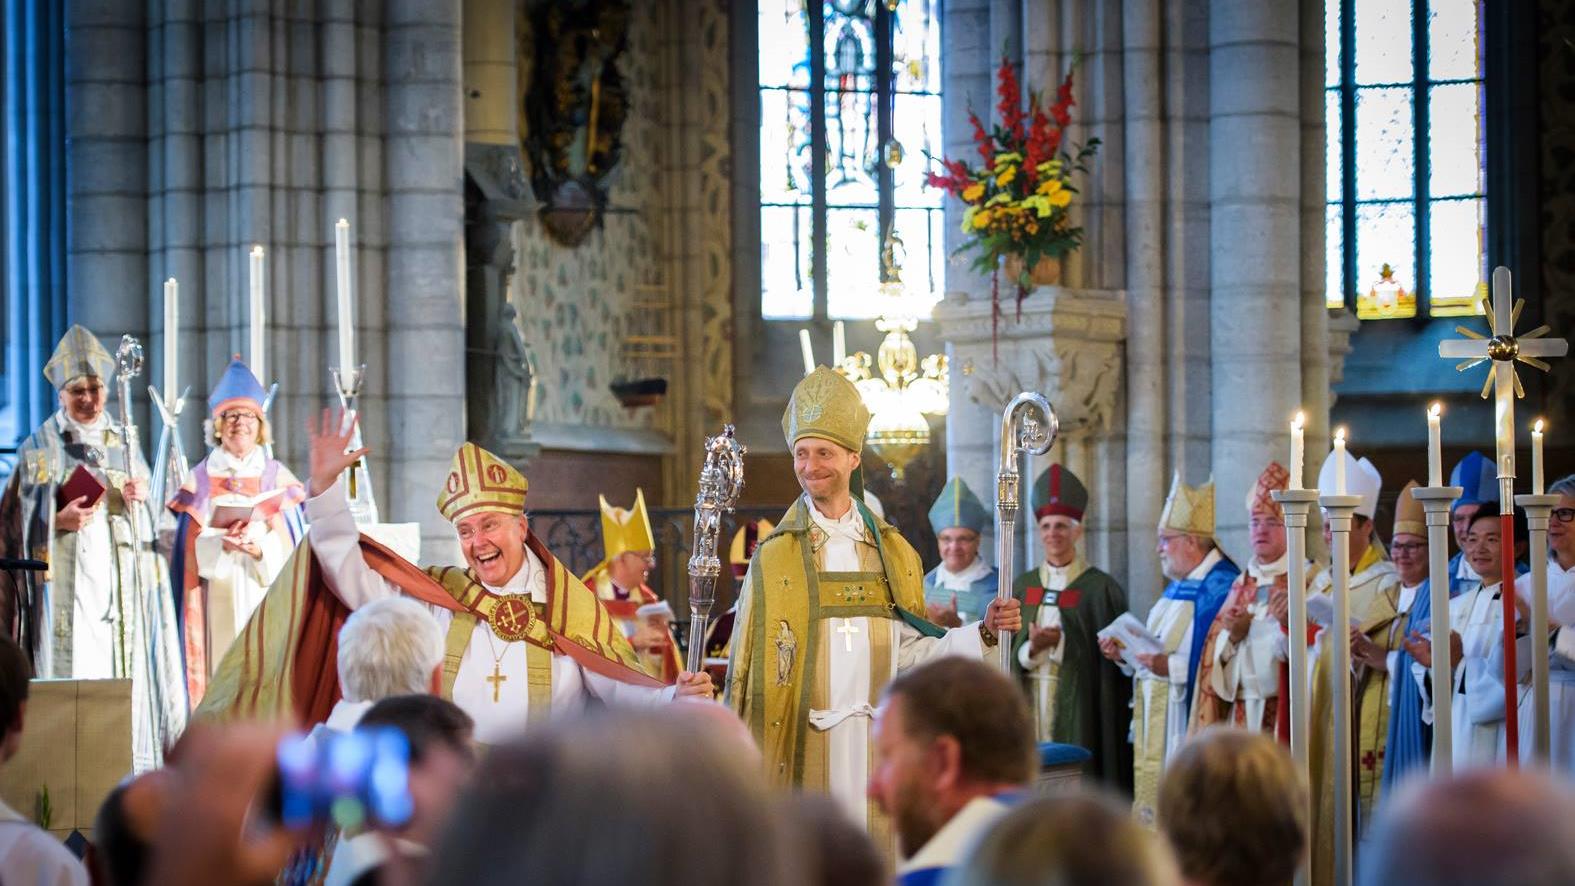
496, 680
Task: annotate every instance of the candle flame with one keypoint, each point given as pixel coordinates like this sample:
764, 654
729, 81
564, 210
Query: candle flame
1339, 433
1299, 421
257, 251
1435, 409
343, 223
1537, 428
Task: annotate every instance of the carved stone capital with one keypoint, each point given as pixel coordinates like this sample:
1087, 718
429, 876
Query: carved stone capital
1067, 344
1342, 325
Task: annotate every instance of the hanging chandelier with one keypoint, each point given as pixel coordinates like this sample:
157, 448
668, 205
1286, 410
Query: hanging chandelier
907, 389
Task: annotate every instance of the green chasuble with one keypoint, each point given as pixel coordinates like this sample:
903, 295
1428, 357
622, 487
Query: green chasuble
1093, 698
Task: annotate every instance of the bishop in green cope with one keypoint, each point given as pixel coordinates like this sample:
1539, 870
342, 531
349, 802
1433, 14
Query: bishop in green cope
961, 587
1078, 696
830, 610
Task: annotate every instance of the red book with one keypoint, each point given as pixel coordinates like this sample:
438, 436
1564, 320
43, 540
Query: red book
81, 483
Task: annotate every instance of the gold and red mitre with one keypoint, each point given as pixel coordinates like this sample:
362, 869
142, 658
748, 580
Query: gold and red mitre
1260, 498
479, 482
745, 540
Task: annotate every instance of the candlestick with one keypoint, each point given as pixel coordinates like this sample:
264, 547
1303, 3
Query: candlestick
1339, 461
1435, 456
809, 353
171, 335
1297, 429
1536, 458
255, 355
342, 281
839, 346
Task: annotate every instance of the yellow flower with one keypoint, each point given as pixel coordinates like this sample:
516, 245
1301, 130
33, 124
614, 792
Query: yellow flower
1060, 198
973, 192
999, 199
1004, 177
1039, 204
968, 218
981, 219
1049, 186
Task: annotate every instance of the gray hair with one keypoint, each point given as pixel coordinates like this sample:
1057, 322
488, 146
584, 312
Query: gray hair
1075, 839
1564, 485
388, 647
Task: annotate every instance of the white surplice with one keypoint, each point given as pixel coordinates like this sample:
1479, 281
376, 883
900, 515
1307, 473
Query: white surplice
1248, 673
847, 721
93, 624
336, 543
1163, 621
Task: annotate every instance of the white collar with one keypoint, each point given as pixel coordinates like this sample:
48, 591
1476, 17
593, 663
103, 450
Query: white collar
65, 422
972, 572
1465, 571
849, 525
946, 848
531, 578
346, 714
1266, 573
222, 462
1202, 569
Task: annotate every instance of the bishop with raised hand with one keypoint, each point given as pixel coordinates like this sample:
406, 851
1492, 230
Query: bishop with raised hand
524, 638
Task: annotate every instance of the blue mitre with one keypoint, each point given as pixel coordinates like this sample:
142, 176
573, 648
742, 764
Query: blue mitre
958, 507
1477, 476
237, 386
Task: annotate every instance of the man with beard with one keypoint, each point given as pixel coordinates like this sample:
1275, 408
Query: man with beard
953, 749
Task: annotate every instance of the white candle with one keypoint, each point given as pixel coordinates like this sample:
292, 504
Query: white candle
171, 335
346, 321
1435, 455
1297, 429
809, 353
1536, 458
255, 352
1339, 461
839, 346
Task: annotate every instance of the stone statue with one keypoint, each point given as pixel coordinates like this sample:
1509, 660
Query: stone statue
514, 388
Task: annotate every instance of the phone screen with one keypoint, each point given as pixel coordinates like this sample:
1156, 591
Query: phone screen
349, 779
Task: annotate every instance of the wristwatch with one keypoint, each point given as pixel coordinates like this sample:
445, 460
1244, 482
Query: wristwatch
988, 636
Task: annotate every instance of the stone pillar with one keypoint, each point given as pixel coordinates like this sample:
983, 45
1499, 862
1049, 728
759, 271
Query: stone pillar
968, 57
106, 163
1315, 332
1256, 270
425, 286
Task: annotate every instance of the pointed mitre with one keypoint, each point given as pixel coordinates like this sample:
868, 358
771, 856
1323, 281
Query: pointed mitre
479, 481
1058, 492
1410, 519
79, 353
238, 386
1361, 478
745, 540
1188, 509
826, 405
1260, 498
1477, 478
626, 530
958, 508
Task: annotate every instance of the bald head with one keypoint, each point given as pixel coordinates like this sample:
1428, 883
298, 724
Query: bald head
1486, 828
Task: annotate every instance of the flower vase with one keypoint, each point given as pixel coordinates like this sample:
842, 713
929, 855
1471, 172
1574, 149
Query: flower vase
1045, 272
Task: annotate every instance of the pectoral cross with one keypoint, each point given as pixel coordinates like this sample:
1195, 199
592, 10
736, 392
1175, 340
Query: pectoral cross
847, 631
496, 680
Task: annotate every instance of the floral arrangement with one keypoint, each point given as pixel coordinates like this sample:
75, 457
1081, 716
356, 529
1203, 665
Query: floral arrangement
1017, 198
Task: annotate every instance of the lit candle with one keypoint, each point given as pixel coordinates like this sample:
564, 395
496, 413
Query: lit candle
1536, 458
1297, 429
1435, 456
809, 353
255, 352
346, 321
839, 346
171, 333
1339, 461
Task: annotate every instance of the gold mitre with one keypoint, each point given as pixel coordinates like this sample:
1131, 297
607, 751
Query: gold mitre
626, 530
1189, 509
826, 405
78, 354
1409, 516
480, 481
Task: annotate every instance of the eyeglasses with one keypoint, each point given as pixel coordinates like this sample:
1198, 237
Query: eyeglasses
1564, 515
1410, 547
91, 389
238, 418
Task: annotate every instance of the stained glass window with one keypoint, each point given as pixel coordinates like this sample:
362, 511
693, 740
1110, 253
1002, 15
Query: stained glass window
1407, 168
850, 106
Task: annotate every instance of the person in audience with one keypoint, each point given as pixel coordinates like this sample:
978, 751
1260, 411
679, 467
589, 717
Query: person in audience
843, 853
387, 648
28, 854
1068, 840
579, 801
1234, 810
953, 747
124, 828
442, 758
1491, 827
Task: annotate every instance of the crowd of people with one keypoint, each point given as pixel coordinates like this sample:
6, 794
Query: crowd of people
549, 733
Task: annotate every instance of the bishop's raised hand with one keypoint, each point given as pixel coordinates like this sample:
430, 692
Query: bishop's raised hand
330, 437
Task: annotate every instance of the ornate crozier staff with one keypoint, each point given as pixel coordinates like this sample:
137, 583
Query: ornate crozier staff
1021, 431
128, 365
721, 481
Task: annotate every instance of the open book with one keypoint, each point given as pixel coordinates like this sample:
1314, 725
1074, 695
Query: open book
1133, 637
246, 511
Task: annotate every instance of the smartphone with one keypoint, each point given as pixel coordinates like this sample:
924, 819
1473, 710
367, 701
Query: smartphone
347, 779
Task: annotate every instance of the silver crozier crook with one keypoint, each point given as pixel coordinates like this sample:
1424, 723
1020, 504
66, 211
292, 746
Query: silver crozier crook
128, 365
1021, 431
721, 481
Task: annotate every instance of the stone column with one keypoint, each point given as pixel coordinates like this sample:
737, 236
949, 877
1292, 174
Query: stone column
968, 57
1315, 332
425, 286
1256, 270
